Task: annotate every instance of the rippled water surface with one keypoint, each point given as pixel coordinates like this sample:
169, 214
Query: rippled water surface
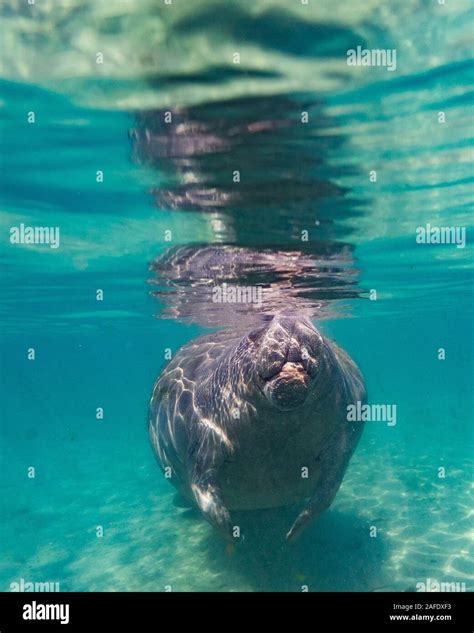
171, 170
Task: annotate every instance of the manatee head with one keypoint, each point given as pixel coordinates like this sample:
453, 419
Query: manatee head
289, 358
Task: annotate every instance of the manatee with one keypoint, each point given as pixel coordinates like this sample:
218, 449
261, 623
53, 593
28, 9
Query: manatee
247, 420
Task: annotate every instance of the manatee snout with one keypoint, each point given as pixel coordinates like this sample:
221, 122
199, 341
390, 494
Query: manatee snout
287, 362
289, 388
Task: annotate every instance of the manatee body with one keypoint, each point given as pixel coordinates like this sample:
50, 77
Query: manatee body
243, 421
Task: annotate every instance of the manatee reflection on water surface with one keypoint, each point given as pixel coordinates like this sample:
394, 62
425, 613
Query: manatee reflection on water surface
257, 167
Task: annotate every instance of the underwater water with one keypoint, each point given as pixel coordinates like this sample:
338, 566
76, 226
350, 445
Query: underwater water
340, 245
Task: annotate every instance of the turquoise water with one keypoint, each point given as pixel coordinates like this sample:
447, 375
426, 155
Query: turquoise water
93, 472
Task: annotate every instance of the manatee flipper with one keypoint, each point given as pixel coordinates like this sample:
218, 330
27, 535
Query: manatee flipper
321, 499
206, 459
314, 508
209, 499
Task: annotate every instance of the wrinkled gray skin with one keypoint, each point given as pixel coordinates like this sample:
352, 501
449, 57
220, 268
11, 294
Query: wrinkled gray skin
237, 418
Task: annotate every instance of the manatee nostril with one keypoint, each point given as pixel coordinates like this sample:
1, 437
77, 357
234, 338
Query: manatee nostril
287, 343
271, 368
303, 355
270, 363
273, 362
